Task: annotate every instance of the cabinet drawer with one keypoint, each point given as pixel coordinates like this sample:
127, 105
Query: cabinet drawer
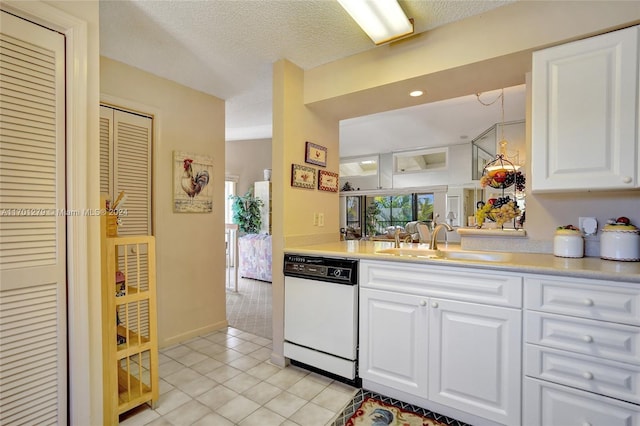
603, 300
464, 284
548, 404
614, 379
598, 338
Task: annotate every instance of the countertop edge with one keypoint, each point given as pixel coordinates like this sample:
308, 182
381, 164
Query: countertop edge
522, 263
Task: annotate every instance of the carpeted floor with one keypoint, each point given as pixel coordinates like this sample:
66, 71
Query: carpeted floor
362, 395
250, 308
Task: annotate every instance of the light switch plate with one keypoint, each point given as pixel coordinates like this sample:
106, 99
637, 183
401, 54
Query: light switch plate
588, 225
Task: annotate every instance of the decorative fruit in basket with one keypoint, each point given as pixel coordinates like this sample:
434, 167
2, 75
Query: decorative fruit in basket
500, 176
499, 210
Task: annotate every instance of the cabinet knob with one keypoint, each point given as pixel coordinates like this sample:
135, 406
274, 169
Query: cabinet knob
423, 303
627, 179
434, 304
587, 338
587, 375
588, 302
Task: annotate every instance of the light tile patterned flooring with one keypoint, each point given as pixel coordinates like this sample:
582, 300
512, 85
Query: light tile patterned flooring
225, 377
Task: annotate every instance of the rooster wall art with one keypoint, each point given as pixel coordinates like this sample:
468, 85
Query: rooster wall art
192, 174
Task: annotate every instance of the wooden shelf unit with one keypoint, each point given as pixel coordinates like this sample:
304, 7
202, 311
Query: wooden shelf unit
130, 367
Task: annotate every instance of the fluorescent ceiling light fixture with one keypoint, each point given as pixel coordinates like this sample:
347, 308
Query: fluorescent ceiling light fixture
416, 93
382, 20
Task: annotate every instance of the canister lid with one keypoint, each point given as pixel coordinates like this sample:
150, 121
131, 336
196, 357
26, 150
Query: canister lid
568, 230
616, 227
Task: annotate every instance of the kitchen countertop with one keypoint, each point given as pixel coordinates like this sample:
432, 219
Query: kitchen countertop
535, 263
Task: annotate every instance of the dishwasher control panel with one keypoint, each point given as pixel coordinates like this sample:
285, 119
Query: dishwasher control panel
321, 268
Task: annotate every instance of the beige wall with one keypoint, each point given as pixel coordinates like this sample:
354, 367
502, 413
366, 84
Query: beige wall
247, 160
293, 208
190, 247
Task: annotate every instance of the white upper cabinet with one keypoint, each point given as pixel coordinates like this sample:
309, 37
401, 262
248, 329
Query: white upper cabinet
585, 114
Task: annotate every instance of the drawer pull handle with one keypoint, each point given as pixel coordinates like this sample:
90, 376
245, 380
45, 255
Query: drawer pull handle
423, 303
587, 338
588, 302
434, 304
586, 424
587, 375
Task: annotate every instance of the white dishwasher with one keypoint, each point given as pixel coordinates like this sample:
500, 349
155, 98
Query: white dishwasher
321, 314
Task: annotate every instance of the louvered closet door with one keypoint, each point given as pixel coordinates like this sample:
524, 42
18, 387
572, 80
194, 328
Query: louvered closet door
125, 165
33, 374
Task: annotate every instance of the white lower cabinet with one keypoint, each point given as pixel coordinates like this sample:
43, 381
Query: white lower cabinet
393, 345
417, 339
582, 352
474, 359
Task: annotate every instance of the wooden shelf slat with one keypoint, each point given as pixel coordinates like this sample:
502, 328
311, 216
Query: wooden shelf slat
131, 392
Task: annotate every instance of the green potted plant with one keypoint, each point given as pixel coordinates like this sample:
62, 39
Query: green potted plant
246, 212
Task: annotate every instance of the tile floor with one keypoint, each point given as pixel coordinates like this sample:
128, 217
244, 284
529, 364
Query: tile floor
225, 378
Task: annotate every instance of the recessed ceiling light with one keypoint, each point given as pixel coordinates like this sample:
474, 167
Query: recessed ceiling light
416, 93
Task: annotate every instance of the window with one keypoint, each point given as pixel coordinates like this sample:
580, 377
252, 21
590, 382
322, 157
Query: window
424, 207
392, 210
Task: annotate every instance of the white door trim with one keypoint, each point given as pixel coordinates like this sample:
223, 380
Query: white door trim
79, 353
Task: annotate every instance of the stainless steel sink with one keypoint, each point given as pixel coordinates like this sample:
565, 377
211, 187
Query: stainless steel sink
480, 256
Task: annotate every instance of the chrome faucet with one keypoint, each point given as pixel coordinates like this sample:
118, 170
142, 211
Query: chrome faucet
434, 234
396, 237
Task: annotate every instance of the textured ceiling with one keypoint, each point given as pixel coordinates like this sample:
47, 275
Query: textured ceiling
227, 47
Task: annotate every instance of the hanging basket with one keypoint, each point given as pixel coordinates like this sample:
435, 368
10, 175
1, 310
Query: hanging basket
500, 173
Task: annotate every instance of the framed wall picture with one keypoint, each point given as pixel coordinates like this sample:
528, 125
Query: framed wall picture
327, 181
303, 176
191, 190
315, 154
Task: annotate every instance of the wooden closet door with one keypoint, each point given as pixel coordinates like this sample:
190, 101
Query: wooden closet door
33, 314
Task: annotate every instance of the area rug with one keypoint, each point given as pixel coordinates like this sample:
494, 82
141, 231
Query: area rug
368, 408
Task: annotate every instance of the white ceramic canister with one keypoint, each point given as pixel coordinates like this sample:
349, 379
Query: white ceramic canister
568, 243
620, 242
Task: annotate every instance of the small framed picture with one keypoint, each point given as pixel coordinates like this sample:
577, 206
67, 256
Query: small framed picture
327, 181
303, 176
315, 154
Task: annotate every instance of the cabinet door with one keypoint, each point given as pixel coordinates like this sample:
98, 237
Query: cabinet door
393, 340
584, 114
474, 359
